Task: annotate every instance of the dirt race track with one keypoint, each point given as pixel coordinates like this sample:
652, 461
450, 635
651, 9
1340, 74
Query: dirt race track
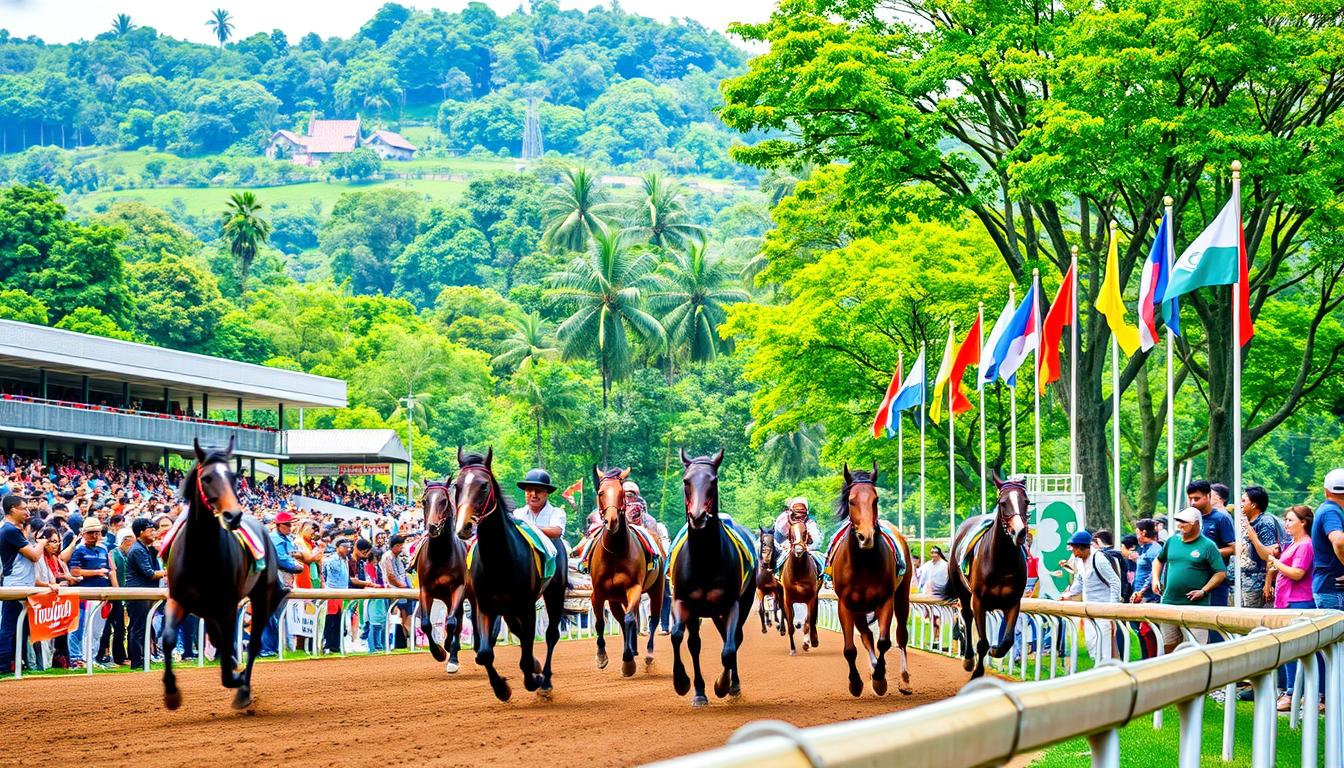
406, 710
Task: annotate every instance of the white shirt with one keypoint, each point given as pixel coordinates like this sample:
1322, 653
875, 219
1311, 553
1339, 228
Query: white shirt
549, 517
1094, 579
933, 577
782, 530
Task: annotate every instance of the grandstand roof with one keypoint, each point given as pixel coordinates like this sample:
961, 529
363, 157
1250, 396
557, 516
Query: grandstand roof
36, 346
345, 446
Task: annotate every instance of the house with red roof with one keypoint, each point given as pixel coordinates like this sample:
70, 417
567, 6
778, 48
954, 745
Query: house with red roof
328, 139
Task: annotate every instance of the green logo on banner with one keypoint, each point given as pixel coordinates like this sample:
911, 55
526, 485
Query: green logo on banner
1055, 523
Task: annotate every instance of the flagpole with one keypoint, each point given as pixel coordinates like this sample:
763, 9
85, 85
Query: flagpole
951, 453
900, 456
1036, 360
1012, 410
1236, 384
981, 346
1073, 376
1172, 487
923, 470
1115, 421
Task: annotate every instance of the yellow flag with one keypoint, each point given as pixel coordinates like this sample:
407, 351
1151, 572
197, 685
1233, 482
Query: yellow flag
1112, 305
940, 381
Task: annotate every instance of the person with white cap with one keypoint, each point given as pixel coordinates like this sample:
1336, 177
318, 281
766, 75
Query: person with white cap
1327, 543
90, 561
798, 510
637, 513
1186, 571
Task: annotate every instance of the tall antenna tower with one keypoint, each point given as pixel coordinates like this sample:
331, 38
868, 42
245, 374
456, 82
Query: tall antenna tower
532, 147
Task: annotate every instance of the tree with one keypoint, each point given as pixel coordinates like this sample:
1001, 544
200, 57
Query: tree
793, 455
553, 397
530, 343
244, 232
693, 300
178, 304
571, 210
362, 163
1052, 127
92, 321
449, 252
602, 291
122, 25
659, 214
507, 210
19, 305
221, 24
366, 234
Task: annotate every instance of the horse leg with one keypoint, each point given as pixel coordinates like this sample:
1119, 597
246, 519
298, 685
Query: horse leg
788, 617
486, 633
1005, 643
981, 641
876, 663
655, 614
600, 626
812, 619
967, 661
693, 645
761, 592
902, 621
263, 609
427, 625
884, 614
680, 682
454, 626
226, 648
733, 623
630, 630
172, 614
526, 632
555, 616
851, 652
779, 608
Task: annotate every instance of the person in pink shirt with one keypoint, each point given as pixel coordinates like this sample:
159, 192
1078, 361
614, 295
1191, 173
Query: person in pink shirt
1292, 581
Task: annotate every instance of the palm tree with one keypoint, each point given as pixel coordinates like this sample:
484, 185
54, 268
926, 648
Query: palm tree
793, 455
529, 343
244, 231
551, 401
376, 102
602, 290
693, 298
221, 23
659, 215
121, 25
571, 208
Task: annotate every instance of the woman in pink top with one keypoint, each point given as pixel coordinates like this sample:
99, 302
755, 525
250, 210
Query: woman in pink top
1292, 586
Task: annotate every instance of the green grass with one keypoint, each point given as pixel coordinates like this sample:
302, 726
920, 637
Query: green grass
158, 666
210, 200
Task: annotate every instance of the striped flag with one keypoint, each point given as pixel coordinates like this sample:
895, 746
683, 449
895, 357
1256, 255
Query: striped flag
1021, 337
1216, 257
911, 392
885, 419
989, 364
1152, 286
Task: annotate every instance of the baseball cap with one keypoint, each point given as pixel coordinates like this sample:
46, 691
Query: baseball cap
284, 517
1188, 515
1334, 480
139, 525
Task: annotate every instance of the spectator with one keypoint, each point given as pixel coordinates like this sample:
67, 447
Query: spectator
284, 550
90, 561
933, 581
375, 620
1327, 544
335, 575
1292, 585
18, 568
1216, 524
1094, 581
142, 570
1262, 537
116, 620
1192, 568
1143, 554
394, 572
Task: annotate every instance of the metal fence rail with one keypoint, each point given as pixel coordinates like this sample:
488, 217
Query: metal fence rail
50, 419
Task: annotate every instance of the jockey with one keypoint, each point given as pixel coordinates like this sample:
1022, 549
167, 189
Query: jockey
798, 511
637, 513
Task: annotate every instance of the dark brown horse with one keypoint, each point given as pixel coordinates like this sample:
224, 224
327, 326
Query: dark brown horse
868, 579
441, 566
767, 585
801, 583
998, 573
622, 572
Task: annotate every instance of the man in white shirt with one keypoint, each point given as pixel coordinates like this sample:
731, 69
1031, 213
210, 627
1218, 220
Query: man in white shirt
537, 489
1094, 581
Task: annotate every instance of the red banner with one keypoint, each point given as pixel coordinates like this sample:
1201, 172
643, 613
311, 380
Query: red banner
51, 614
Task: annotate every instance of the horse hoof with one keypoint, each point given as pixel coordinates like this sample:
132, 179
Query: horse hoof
242, 699
648, 663
450, 667
544, 694
855, 687
438, 653
172, 699
805, 645
628, 668
735, 690
905, 690
699, 701
792, 652
681, 683
601, 661
502, 690
721, 686
968, 665
880, 686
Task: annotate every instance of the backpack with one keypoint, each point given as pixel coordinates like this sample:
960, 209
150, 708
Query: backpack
1118, 563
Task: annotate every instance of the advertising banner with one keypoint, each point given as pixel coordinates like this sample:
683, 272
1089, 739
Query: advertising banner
51, 614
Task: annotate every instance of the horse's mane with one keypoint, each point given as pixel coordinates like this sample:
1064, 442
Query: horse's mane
841, 506
611, 472
505, 502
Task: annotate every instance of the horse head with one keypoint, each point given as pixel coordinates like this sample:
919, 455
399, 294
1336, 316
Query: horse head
611, 495
436, 504
475, 492
858, 505
1014, 507
700, 484
211, 485
767, 549
799, 538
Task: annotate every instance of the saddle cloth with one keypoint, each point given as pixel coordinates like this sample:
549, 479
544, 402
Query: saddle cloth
252, 547
816, 556
736, 534
965, 551
543, 549
655, 557
887, 536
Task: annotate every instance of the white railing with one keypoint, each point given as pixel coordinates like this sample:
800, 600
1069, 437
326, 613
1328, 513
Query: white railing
1054, 485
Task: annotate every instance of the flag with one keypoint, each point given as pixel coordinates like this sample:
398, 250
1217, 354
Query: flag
912, 389
1152, 284
967, 354
883, 421
1020, 339
1061, 314
1111, 305
569, 492
944, 376
989, 364
1216, 257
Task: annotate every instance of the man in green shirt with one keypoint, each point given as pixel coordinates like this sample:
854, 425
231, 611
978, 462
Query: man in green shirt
1186, 570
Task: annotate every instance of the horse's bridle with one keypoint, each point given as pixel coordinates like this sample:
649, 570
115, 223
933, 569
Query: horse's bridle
1004, 518
491, 504
433, 530
200, 489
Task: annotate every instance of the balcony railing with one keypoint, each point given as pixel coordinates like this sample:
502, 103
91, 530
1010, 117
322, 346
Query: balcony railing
86, 423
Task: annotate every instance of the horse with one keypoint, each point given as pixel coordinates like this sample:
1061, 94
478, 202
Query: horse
867, 579
210, 572
711, 567
502, 579
441, 562
622, 572
766, 583
998, 572
800, 583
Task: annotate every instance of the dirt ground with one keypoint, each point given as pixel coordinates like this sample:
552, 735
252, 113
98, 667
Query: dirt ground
405, 709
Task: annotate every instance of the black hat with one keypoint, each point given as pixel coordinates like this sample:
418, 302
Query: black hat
537, 478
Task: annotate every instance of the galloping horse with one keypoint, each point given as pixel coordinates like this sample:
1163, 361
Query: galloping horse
866, 570
503, 581
801, 583
210, 572
441, 563
998, 573
622, 571
766, 583
711, 567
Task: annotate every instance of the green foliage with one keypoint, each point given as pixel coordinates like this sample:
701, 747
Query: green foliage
571, 210
693, 302
362, 163
449, 252
367, 233
148, 232
244, 232
178, 303
19, 305
92, 321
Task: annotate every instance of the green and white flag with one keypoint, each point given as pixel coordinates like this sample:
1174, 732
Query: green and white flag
1215, 258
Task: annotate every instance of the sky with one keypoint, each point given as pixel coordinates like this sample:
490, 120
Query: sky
63, 21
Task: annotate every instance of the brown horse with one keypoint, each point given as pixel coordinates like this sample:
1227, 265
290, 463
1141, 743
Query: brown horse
622, 572
869, 579
998, 574
801, 583
766, 583
441, 565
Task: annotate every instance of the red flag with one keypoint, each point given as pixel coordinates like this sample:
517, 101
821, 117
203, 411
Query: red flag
1061, 314
968, 354
569, 492
1244, 286
883, 418
51, 615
